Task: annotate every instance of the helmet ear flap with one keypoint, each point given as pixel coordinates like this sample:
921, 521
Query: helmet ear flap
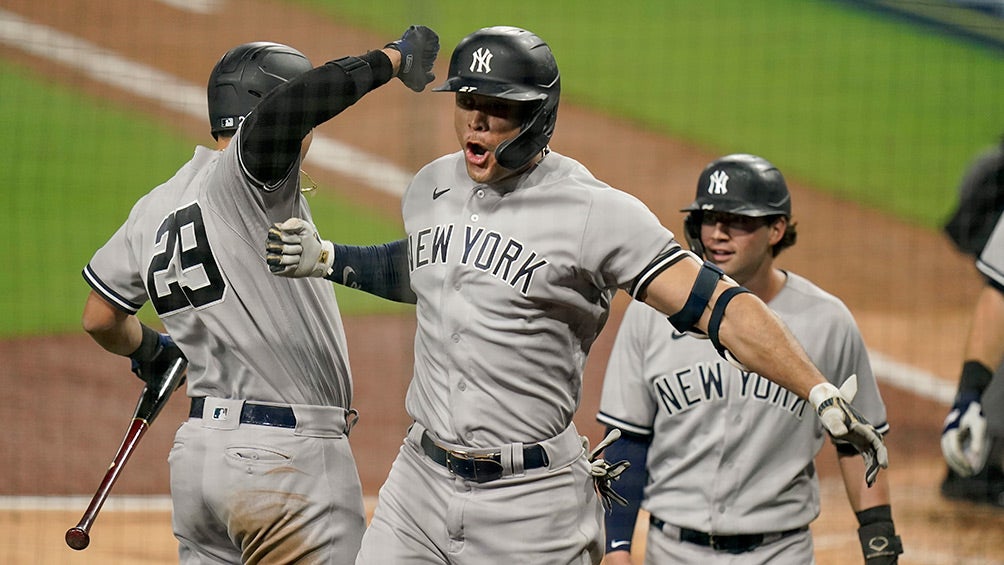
692, 231
514, 153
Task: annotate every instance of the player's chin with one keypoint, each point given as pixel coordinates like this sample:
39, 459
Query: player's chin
486, 172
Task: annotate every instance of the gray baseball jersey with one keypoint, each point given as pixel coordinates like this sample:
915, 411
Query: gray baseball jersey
514, 282
991, 261
193, 247
242, 490
731, 451
991, 264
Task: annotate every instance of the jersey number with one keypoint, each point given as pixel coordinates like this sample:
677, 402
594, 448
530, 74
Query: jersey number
183, 272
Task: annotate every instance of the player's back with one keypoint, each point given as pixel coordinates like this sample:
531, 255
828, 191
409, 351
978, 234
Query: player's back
247, 334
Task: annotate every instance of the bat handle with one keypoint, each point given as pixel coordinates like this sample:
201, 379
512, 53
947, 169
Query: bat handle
78, 537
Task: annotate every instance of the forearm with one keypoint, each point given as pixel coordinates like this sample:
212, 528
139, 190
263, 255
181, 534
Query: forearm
761, 341
985, 343
111, 328
859, 494
272, 134
381, 270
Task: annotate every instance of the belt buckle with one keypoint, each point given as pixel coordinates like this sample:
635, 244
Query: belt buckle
479, 468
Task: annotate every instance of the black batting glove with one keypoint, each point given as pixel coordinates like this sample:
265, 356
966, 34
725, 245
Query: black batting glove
879, 542
155, 355
419, 47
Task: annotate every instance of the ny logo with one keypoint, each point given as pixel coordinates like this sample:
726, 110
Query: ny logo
717, 185
482, 62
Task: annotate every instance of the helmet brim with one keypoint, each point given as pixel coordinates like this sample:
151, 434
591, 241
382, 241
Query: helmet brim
735, 207
493, 89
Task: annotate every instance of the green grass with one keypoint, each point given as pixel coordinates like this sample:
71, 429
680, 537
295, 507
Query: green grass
866, 107
78, 167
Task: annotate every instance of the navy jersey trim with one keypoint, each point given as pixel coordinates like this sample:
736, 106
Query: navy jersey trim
658, 265
107, 293
635, 429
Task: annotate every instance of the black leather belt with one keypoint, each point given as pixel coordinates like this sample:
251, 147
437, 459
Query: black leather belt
735, 544
480, 468
260, 414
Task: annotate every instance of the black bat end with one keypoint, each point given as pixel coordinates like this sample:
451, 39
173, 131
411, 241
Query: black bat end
77, 538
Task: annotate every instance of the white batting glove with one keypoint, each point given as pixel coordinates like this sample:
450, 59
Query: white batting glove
295, 249
964, 440
845, 424
604, 473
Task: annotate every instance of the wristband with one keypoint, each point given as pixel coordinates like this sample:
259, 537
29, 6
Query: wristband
149, 346
975, 377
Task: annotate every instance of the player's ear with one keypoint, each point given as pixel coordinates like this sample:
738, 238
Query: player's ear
777, 226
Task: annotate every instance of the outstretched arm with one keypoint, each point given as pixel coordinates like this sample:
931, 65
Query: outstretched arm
295, 249
748, 333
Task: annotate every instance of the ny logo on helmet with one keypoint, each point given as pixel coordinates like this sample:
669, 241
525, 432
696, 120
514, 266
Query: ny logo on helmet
482, 62
717, 185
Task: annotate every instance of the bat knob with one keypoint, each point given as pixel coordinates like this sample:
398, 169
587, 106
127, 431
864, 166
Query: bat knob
77, 538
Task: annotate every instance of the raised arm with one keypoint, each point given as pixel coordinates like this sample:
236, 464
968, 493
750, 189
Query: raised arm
270, 139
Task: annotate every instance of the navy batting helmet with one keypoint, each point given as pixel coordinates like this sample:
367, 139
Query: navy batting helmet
244, 75
742, 184
514, 64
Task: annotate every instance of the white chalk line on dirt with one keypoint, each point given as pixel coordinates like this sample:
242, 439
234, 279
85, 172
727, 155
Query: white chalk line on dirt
114, 503
180, 96
195, 6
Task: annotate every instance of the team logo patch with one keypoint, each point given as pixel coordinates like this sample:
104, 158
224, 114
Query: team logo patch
717, 184
220, 413
482, 61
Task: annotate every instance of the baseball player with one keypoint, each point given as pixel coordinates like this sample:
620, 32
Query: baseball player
722, 458
512, 256
262, 472
973, 435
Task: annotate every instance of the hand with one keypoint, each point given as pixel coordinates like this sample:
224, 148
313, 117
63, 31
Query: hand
845, 424
295, 249
166, 354
604, 474
964, 440
418, 47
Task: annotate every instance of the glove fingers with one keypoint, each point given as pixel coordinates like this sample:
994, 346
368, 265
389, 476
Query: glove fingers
951, 449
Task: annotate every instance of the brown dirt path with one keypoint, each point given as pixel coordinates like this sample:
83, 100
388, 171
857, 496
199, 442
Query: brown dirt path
67, 402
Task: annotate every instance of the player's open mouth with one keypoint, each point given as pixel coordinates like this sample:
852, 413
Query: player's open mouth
476, 153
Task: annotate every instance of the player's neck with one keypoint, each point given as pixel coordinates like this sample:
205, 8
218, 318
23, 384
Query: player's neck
767, 283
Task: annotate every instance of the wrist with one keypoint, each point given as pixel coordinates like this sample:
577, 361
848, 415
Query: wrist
149, 345
882, 513
975, 378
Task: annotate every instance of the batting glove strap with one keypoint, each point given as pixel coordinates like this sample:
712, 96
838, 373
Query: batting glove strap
419, 47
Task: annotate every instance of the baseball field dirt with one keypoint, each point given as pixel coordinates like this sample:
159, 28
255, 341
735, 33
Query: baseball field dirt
67, 402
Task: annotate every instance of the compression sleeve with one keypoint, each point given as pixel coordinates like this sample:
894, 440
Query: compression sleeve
620, 521
272, 133
381, 270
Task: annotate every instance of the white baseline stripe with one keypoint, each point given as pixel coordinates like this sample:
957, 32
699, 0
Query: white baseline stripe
177, 95
124, 503
195, 6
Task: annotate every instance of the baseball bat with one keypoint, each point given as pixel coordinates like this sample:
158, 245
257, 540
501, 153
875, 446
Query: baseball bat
151, 402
